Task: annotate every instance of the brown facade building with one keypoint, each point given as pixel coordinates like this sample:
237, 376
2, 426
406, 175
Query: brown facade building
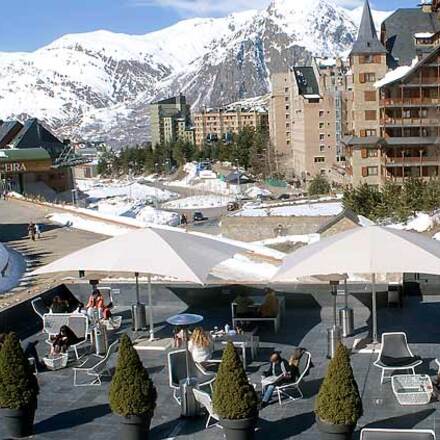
309, 113
396, 98
219, 124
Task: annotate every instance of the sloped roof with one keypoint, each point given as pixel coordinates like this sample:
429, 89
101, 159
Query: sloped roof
346, 213
8, 130
367, 41
306, 80
400, 29
33, 134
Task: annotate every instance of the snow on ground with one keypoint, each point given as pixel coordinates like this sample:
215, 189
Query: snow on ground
421, 222
97, 189
95, 226
120, 206
255, 191
306, 238
305, 210
14, 271
198, 202
364, 221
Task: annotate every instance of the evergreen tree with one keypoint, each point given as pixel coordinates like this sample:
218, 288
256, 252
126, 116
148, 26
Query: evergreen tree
131, 391
338, 400
319, 186
18, 384
234, 397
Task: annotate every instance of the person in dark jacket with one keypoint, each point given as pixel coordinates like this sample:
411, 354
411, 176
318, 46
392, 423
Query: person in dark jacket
63, 340
277, 374
59, 306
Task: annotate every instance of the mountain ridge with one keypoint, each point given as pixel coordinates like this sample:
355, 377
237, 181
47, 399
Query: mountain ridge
97, 85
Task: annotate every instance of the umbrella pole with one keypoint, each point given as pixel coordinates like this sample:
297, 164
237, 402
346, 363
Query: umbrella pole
335, 317
136, 275
346, 294
374, 307
150, 308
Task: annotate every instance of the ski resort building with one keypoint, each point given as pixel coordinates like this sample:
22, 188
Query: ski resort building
396, 91
221, 123
34, 161
310, 110
170, 120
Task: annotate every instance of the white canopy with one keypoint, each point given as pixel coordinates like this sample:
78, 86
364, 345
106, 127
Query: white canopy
372, 250
168, 252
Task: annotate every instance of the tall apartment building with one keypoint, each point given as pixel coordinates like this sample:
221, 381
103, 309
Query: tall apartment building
396, 89
308, 117
170, 120
219, 124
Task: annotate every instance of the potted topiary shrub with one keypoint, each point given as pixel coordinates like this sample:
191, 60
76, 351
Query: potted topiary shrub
18, 389
234, 399
338, 406
132, 393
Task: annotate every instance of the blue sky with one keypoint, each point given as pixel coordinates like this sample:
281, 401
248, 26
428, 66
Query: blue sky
34, 23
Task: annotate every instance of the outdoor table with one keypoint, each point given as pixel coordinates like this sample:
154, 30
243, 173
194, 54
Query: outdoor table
243, 341
412, 389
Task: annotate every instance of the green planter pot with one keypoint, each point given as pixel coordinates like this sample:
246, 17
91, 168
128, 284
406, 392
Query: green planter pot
241, 429
19, 422
330, 431
135, 427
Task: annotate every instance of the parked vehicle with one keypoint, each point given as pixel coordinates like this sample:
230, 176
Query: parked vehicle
284, 197
199, 217
232, 206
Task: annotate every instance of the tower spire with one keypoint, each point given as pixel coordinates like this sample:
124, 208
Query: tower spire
367, 41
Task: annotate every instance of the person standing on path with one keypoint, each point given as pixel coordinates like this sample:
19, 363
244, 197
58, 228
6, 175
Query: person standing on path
31, 231
37, 230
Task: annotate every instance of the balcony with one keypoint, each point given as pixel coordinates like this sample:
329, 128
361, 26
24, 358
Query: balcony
411, 122
415, 161
400, 102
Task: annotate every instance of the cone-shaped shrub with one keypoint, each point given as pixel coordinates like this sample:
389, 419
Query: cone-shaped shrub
132, 392
234, 397
338, 400
18, 384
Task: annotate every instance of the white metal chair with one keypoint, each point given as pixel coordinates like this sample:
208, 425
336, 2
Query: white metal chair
77, 322
177, 372
39, 307
283, 390
95, 367
395, 346
397, 434
205, 400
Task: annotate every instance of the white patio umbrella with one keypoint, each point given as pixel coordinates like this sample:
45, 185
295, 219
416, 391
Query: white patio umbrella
154, 251
369, 250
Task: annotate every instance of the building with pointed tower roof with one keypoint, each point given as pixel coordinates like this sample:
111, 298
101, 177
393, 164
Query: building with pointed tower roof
396, 97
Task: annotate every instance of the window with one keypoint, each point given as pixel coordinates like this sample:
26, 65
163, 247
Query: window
367, 77
287, 115
319, 159
321, 136
372, 153
321, 113
322, 148
370, 115
369, 96
372, 171
321, 125
286, 89
287, 125
370, 59
286, 98
287, 107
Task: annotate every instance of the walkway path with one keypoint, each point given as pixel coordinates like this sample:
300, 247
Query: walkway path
55, 242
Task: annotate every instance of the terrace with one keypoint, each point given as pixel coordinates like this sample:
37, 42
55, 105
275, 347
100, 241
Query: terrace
71, 412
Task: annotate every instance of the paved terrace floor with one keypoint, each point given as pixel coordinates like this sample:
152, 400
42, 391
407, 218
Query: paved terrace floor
72, 413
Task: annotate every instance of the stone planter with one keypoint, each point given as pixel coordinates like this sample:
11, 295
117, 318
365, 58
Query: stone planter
241, 429
19, 422
135, 427
330, 431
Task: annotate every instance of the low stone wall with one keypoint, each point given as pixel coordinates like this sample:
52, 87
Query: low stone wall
262, 228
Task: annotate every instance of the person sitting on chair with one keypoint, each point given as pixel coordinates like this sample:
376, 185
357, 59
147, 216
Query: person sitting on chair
269, 309
63, 340
200, 345
277, 374
96, 302
243, 307
59, 306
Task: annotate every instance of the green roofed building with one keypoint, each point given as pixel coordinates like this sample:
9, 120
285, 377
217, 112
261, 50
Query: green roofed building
33, 160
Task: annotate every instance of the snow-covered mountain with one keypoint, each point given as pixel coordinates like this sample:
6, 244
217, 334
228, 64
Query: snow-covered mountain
98, 84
